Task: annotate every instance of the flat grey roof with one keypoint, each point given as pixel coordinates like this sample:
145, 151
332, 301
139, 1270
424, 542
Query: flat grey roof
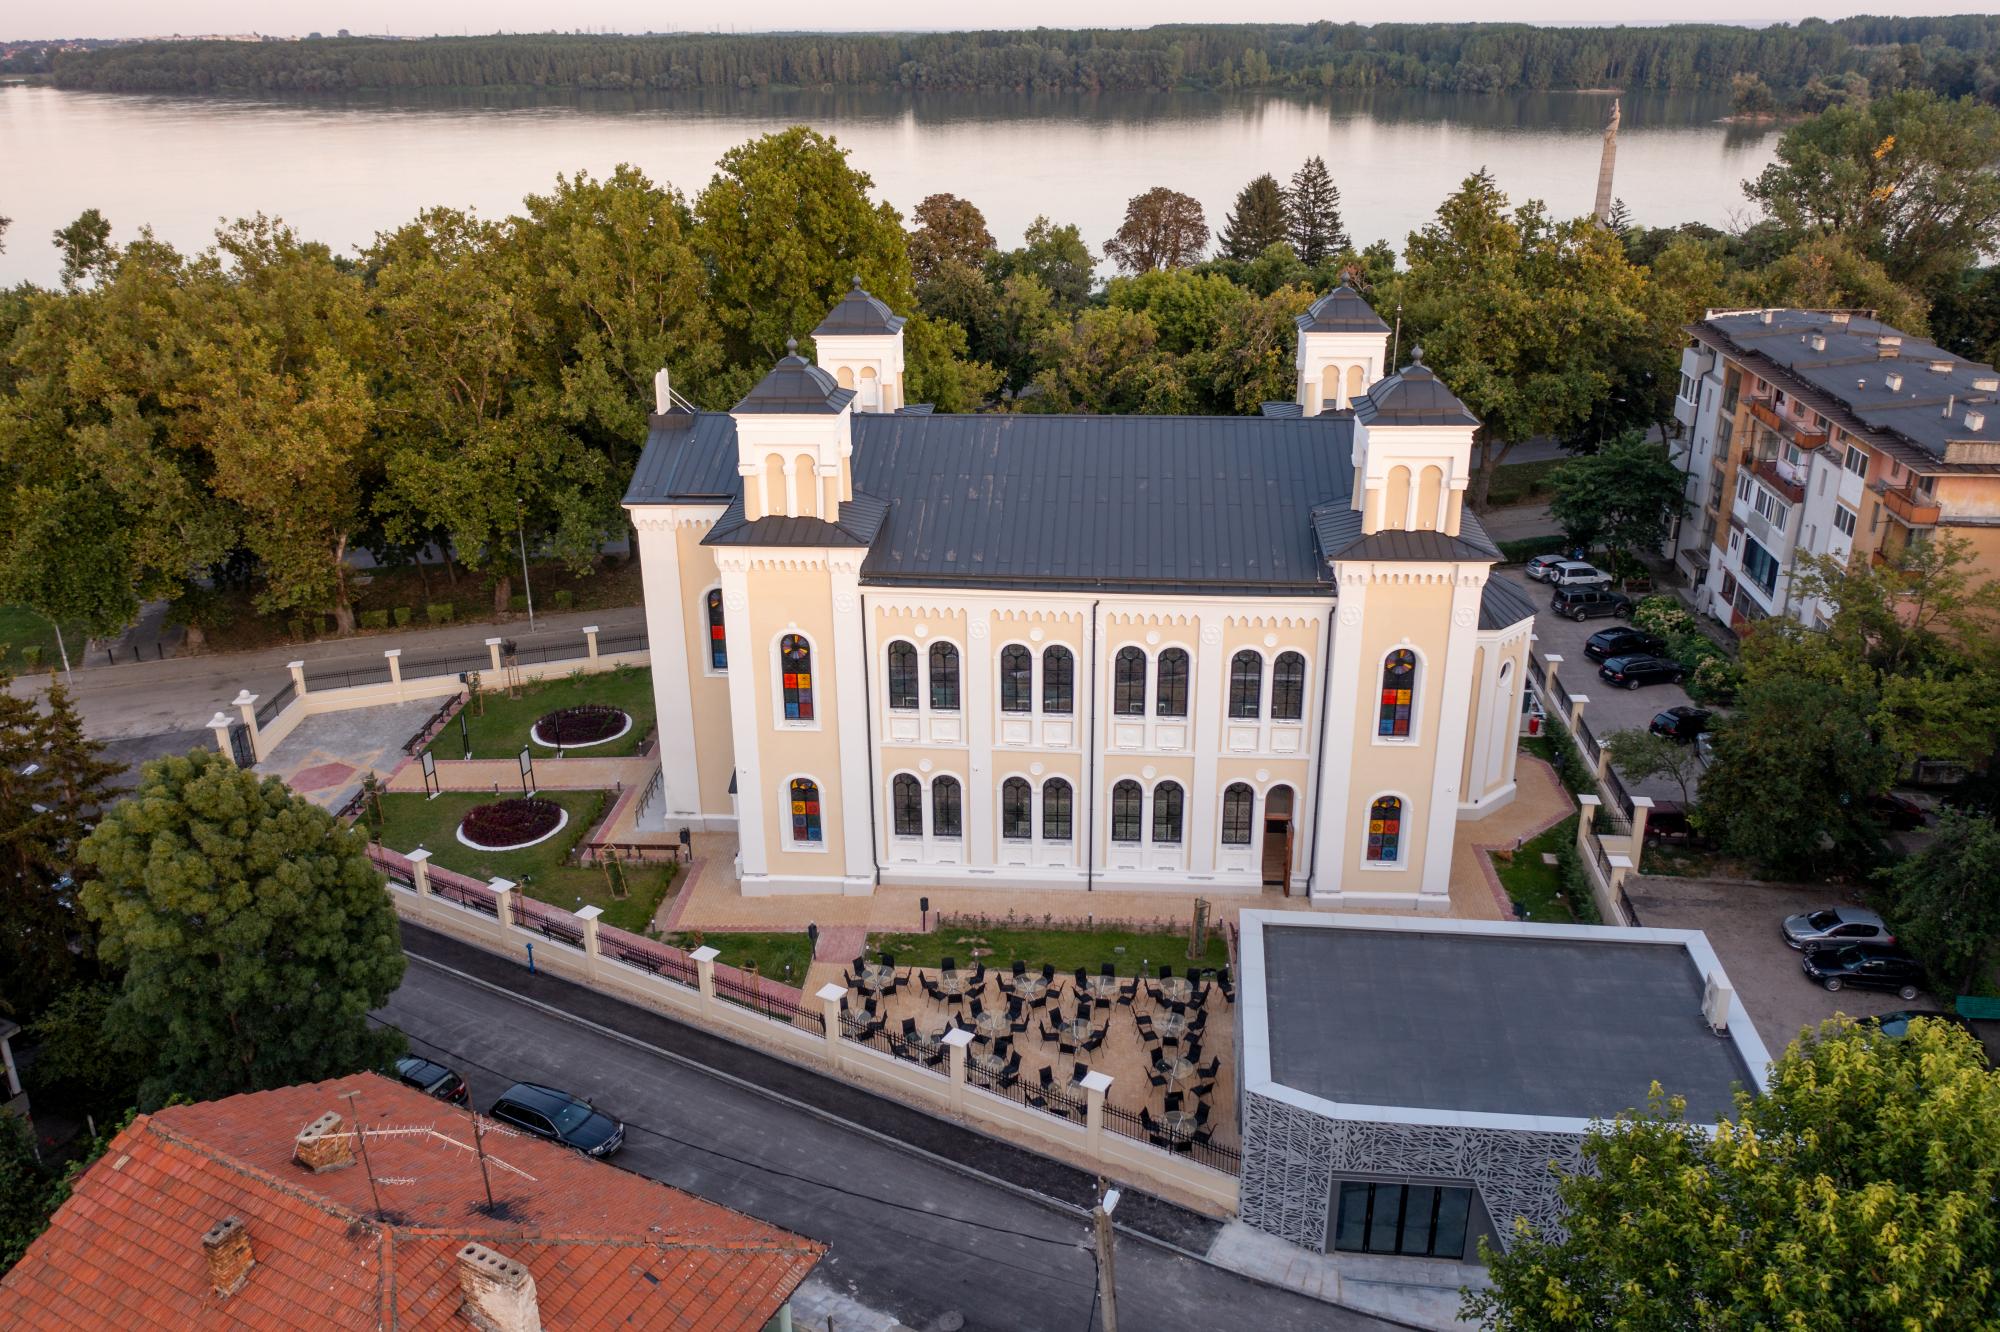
1498, 1024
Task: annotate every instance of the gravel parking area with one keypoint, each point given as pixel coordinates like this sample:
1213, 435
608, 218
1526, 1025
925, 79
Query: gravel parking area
1609, 709
1741, 922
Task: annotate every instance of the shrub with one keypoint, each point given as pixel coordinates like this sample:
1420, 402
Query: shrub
375, 619
1526, 548
5, 648
517, 603
297, 629
563, 600
1576, 775
402, 615
581, 724
507, 823
1715, 680
31, 655
439, 612
1665, 616
1575, 883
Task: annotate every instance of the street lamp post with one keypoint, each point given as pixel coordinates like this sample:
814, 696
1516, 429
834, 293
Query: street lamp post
527, 587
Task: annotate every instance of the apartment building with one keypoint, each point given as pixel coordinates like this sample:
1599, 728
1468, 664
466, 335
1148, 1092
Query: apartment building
1824, 432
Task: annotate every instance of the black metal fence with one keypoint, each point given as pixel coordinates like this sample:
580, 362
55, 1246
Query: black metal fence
1537, 671
1064, 1101
349, 678
1561, 692
276, 703
1214, 1155
549, 922
652, 958
635, 642
471, 896
1620, 797
1586, 740
763, 998
446, 663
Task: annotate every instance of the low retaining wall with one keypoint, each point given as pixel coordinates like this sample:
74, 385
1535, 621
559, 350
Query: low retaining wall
806, 1030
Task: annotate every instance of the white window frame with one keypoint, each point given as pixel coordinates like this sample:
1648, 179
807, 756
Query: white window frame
1417, 709
1402, 859
778, 719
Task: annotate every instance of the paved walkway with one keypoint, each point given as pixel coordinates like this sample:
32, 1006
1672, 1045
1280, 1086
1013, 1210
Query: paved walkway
325, 756
1540, 803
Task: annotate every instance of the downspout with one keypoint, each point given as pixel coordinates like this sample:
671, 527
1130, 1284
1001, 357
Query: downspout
1319, 757
1090, 767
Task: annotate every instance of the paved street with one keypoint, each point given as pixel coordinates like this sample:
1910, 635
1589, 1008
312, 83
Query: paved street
909, 1236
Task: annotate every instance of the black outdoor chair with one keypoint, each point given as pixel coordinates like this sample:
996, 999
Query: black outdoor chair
1166, 972
1064, 1045
1201, 1113
950, 964
1049, 1033
1079, 1073
978, 1007
1096, 1039
1204, 1089
1204, 1136
1129, 992
936, 1056
909, 1028
931, 989
860, 963
1157, 1078
1048, 1077
978, 974
1082, 979
1208, 1073
888, 959
1049, 972
1173, 1101
1106, 970
1020, 967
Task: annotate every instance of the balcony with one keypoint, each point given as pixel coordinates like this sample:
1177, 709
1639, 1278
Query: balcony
1785, 427
1910, 506
1766, 470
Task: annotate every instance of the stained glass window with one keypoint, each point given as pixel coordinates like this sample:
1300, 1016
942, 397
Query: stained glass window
1399, 680
1246, 685
1167, 813
805, 810
1128, 684
1125, 801
795, 656
1385, 830
944, 677
718, 642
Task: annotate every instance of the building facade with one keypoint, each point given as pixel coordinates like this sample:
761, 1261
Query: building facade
1216, 654
1827, 433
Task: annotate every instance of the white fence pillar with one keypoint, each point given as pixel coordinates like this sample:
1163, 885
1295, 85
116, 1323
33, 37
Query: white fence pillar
493, 651
831, 996
1554, 663
503, 902
1586, 816
420, 871
1640, 806
955, 1041
586, 919
219, 723
246, 703
395, 657
298, 670
590, 640
704, 975
1095, 1085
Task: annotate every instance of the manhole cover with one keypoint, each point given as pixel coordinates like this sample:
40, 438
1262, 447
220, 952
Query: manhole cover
949, 1321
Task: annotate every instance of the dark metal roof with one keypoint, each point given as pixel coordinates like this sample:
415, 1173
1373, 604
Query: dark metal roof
1341, 310
1412, 396
1572, 1028
795, 387
1502, 605
860, 519
1282, 409
1337, 529
858, 313
689, 457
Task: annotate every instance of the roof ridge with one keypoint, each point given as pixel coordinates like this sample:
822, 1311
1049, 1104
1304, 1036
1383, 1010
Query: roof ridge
647, 1241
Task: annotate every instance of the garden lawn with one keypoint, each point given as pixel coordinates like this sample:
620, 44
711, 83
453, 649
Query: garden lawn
1518, 483
410, 821
28, 642
771, 952
1534, 885
1126, 950
503, 728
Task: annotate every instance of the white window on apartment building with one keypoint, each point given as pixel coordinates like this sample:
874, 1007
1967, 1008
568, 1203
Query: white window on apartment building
1845, 519
1744, 485
1775, 510
1687, 387
1857, 461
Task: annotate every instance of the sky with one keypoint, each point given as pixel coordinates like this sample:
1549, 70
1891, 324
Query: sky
136, 18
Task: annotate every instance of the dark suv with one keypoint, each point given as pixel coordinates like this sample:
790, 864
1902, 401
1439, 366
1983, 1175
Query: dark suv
1590, 603
431, 1079
1864, 969
559, 1117
1622, 641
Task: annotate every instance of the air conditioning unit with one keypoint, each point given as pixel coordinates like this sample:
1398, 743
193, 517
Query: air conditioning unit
1715, 1000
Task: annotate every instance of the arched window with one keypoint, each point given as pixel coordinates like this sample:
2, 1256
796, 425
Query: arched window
1017, 810
1288, 687
946, 819
1399, 681
908, 803
1167, 813
1126, 800
1055, 810
718, 641
1385, 830
1017, 679
1173, 683
796, 657
1058, 681
1128, 684
902, 676
1238, 803
944, 677
805, 811
1246, 685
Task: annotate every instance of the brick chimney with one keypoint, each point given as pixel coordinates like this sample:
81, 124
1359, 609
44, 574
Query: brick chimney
324, 1145
227, 1248
499, 1292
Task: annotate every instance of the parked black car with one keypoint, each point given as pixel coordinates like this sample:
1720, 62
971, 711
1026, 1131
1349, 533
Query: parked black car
559, 1117
1622, 641
1864, 969
431, 1079
1631, 672
1898, 1022
1589, 603
1681, 722
1897, 813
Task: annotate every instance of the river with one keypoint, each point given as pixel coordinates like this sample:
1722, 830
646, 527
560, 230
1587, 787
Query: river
340, 170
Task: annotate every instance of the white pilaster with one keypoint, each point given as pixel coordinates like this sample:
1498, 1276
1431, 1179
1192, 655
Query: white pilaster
1211, 704
1342, 734
980, 698
752, 800
1455, 711
850, 683
667, 632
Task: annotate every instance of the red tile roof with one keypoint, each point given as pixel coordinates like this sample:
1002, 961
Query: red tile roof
606, 1248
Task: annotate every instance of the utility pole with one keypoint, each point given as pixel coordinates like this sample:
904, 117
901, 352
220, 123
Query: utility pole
527, 586
1107, 1280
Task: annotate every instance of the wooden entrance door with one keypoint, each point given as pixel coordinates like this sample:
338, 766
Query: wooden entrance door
1278, 839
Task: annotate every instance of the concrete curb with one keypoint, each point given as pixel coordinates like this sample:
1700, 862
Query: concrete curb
828, 1117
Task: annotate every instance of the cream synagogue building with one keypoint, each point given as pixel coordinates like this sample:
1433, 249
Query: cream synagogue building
1210, 654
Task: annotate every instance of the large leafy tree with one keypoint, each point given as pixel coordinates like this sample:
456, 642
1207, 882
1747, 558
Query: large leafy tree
1521, 316
1257, 222
1252, 358
1909, 179
784, 227
948, 230
1312, 213
1944, 904
1163, 228
1857, 1192
1108, 361
1831, 272
1056, 256
252, 929
939, 368
1187, 308
1624, 496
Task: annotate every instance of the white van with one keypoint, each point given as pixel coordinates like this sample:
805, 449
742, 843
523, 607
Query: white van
1575, 573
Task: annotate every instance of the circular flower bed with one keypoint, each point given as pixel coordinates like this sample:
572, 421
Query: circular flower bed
508, 825
585, 724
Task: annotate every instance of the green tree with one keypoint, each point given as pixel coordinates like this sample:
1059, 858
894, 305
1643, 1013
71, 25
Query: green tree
1856, 1192
1163, 228
253, 931
80, 1064
1257, 222
1187, 308
1908, 179
1252, 358
1024, 317
939, 368
948, 230
27, 1190
1109, 361
784, 227
960, 293
1054, 256
1625, 496
1641, 756
1943, 903
86, 249
1312, 213
1831, 273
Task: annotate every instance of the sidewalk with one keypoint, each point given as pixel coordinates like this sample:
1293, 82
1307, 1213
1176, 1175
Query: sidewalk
179, 693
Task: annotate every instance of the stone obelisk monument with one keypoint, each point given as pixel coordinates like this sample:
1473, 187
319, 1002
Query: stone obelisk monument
1604, 168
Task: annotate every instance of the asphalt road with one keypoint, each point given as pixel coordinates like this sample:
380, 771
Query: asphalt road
909, 1236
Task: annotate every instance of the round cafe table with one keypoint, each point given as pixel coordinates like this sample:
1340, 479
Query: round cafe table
993, 1024
989, 1063
953, 982
1179, 989
875, 976
1075, 1030
1176, 1068
1029, 988
1171, 1024
1180, 1123
1102, 987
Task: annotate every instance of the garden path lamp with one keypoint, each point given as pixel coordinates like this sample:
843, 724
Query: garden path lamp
923, 915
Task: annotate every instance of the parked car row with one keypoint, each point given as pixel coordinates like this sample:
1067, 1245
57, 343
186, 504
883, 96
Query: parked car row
530, 1107
1847, 945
